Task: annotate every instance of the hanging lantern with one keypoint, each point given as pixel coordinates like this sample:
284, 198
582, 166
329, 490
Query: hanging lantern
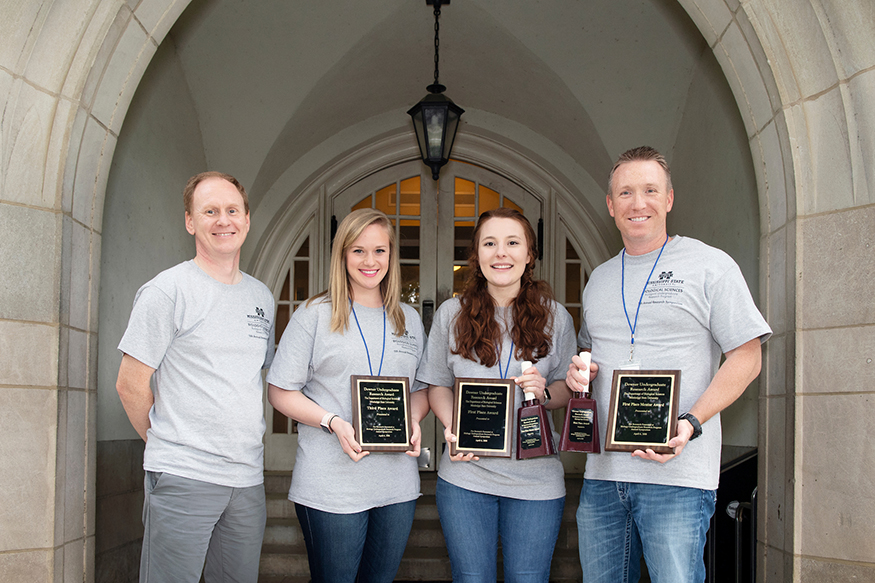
436, 117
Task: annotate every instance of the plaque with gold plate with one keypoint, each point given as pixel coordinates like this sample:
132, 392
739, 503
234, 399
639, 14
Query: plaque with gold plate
643, 410
483, 417
381, 413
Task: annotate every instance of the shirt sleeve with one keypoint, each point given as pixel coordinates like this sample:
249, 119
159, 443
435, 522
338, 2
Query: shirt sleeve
735, 318
292, 366
418, 385
271, 344
434, 368
583, 338
151, 327
564, 344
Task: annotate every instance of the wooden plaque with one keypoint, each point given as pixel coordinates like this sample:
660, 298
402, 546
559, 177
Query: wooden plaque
381, 413
483, 417
644, 410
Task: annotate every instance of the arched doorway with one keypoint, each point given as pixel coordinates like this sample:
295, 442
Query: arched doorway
83, 138
433, 223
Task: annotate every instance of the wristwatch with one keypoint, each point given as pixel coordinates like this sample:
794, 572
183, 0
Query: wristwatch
326, 422
697, 427
546, 397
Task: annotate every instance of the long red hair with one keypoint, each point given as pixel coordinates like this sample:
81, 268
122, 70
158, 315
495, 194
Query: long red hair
478, 335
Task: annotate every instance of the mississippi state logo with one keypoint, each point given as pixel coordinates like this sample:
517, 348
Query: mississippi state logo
666, 275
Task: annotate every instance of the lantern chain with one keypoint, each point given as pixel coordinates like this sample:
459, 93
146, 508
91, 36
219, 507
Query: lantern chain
437, 40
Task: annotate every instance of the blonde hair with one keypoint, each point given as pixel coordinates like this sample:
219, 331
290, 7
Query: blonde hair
339, 290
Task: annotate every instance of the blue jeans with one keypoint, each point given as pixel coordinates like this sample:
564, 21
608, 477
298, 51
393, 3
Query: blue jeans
364, 547
617, 521
472, 523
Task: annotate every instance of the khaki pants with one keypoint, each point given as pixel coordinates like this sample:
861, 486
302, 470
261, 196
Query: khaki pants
192, 526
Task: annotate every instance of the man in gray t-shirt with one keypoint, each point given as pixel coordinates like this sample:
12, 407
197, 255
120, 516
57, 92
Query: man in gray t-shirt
199, 335
664, 303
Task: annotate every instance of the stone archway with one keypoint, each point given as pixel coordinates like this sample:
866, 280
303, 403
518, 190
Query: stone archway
729, 34
67, 93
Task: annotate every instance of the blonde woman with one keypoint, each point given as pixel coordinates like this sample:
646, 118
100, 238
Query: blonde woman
355, 508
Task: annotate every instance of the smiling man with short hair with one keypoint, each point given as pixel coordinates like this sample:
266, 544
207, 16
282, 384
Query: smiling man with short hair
201, 333
663, 303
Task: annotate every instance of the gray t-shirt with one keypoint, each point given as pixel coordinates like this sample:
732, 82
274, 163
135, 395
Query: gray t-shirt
541, 478
312, 359
696, 307
208, 342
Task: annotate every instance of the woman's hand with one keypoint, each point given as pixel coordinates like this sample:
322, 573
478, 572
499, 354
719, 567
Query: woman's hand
531, 381
415, 439
575, 379
459, 457
346, 436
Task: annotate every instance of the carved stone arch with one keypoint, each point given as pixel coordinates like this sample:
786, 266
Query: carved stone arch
121, 42
501, 157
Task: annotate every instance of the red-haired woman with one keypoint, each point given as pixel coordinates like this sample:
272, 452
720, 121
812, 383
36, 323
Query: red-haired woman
503, 317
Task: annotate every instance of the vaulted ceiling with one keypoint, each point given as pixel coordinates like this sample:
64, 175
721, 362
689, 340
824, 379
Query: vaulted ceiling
273, 79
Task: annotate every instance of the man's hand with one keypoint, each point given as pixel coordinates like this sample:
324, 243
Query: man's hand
678, 442
575, 380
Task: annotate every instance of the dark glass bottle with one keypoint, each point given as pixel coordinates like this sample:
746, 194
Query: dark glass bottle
581, 429
534, 438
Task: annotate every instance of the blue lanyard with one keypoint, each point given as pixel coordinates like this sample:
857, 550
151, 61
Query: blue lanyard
632, 327
366, 343
503, 375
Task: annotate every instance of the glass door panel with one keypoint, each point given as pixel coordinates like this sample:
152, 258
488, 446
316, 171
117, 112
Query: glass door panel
475, 191
281, 438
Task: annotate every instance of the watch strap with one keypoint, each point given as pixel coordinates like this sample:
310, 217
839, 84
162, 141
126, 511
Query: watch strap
697, 427
326, 422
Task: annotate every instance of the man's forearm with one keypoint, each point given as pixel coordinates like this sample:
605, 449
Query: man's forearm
741, 367
136, 393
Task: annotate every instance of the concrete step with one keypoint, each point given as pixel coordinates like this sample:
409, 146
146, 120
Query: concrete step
282, 560
425, 564
279, 506
426, 534
282, 579
284, 532
426, 508
277, 482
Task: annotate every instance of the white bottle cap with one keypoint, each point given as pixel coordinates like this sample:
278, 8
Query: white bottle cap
524, 366
586, 357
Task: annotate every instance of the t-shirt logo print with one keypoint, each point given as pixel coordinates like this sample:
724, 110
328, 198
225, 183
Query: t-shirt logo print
666, 275
259, 311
